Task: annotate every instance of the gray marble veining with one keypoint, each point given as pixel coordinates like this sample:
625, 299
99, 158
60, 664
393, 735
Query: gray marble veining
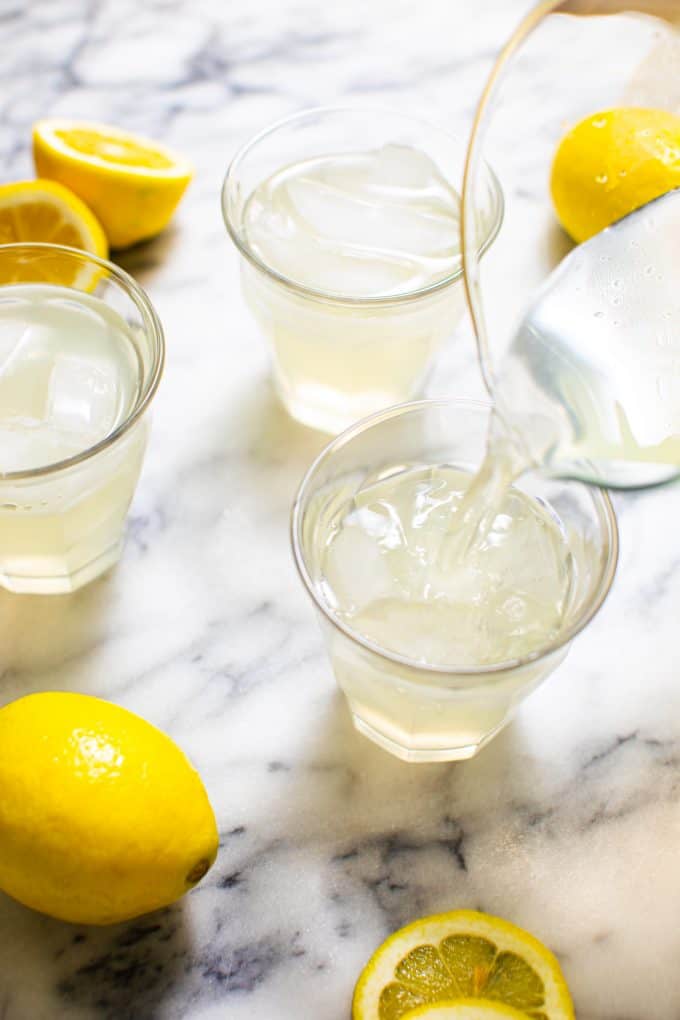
568, 824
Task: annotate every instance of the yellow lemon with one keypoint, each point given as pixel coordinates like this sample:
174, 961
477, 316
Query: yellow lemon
612, 163
102, 817
44, 211
460, 956
132, 184
465, 1009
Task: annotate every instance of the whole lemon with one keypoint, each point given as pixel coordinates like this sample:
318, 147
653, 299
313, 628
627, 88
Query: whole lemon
102, 817
611, 163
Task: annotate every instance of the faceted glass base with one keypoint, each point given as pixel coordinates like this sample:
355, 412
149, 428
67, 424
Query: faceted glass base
422, 755
55, 576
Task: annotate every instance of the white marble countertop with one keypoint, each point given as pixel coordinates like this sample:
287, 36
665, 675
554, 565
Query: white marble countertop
568, 824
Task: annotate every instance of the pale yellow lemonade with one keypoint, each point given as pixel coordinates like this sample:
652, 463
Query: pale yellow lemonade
502, 599
366, 226
406, 566
69, 376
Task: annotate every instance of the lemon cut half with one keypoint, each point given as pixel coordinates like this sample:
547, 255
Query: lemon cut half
131, 183
461, 955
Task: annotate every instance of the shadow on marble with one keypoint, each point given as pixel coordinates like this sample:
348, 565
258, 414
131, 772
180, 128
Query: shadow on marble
273, 436
145, 257
406, 838
336, 735
40, 634
118, 972
558, 244
382, 792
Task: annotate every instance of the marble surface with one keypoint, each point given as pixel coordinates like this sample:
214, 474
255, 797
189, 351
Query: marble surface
568, 824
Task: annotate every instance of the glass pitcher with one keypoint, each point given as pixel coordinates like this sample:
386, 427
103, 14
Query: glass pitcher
579, 345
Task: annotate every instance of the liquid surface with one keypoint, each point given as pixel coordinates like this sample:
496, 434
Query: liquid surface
68, 374
364, 224
499, 597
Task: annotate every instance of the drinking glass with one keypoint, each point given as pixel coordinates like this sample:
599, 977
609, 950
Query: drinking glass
429, 712
337, 357
61, 525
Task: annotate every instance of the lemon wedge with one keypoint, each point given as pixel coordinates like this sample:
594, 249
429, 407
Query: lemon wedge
131, 183
612, 163
460, 956
465, 1009
44, 211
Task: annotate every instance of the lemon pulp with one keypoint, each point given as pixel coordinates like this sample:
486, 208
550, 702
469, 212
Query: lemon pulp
459, 956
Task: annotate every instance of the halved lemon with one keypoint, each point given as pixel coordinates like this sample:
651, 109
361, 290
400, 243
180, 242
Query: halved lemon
459, 956
131, 183
44, 211
465, 1009
611, 163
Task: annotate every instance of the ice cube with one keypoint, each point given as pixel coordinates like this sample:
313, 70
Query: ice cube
25, 368
19, 448
27, 444
379, 222
12, 335
356, 570
83, 397
369, 216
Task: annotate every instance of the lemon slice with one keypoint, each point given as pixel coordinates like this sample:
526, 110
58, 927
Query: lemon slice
611, 163
458, 956
131, 183
465, 1009
45, 211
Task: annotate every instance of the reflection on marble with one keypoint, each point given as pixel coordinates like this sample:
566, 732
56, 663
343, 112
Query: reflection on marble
569, 823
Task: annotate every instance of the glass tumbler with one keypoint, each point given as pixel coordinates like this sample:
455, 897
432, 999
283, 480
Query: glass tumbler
423, 712
62, 523
340, 355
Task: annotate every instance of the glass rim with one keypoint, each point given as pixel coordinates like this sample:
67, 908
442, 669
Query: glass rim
594, 604
331, 297
152, 325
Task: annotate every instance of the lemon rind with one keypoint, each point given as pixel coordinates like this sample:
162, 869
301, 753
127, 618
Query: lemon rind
45, 134
379, 971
